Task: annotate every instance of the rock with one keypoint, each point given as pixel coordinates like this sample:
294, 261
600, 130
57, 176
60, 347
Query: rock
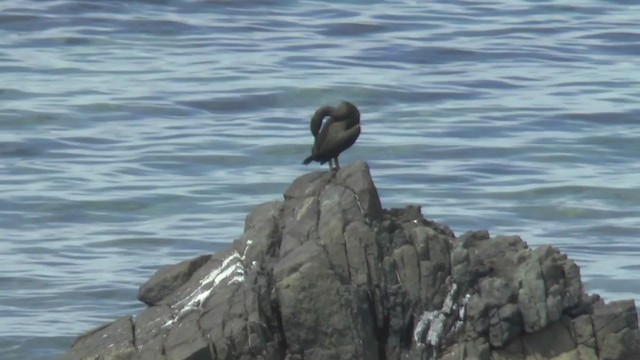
114, 341
616, 327
329, 274
167, 280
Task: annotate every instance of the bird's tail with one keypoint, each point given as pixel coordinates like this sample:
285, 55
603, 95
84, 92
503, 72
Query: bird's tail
308, 160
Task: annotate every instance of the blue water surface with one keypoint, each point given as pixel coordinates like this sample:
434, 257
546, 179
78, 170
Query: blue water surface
136, 134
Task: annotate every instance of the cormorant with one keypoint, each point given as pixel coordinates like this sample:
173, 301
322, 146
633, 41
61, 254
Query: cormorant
337, 134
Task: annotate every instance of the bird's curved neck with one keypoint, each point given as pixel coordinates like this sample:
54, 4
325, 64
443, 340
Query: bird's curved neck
318, 116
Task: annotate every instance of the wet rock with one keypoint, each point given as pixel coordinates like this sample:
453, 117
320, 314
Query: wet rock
329, 274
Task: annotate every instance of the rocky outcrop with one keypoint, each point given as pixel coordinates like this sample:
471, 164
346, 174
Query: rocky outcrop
329, 274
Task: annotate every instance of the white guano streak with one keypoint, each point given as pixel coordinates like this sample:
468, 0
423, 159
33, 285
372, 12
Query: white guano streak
231, 266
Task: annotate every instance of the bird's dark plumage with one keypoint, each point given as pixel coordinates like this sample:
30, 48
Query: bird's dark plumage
335, 135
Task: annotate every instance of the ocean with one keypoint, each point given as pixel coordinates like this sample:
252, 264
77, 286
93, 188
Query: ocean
137, 134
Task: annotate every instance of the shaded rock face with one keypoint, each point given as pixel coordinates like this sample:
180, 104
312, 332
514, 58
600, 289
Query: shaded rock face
329, 274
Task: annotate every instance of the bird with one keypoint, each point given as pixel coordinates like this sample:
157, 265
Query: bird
335, 135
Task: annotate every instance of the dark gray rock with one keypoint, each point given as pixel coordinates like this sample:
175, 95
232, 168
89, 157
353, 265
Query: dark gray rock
114, 341
329, 274
167, 280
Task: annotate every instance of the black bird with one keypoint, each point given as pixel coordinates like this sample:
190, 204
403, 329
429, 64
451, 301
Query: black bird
337, 134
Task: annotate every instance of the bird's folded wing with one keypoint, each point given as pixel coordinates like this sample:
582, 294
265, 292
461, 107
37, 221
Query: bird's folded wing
338, 139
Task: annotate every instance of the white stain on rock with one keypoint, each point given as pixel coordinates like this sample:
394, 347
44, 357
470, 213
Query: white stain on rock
230, 271
432, 322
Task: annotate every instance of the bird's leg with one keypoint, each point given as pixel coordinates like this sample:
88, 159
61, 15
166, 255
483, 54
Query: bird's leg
337, 163
330, 164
